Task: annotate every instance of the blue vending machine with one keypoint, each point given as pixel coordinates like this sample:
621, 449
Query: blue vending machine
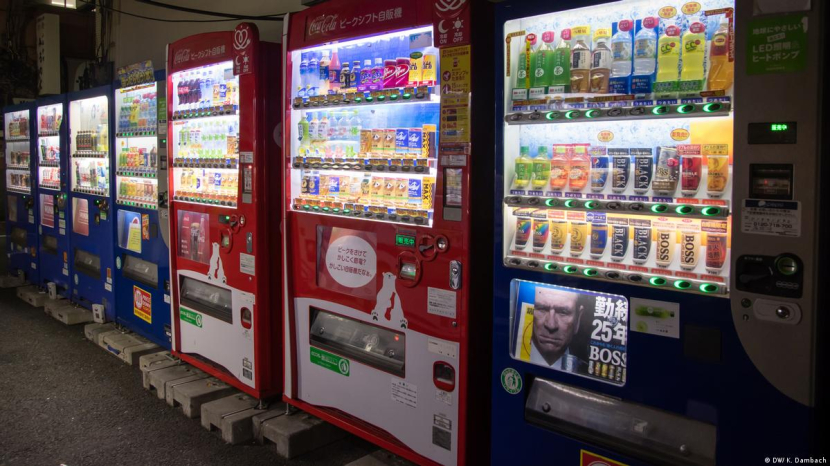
21, 208
52, 200
657, 279
92, 252
142, 254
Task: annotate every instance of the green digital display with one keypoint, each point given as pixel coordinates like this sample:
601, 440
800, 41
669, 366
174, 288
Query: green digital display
405, 241
778, 127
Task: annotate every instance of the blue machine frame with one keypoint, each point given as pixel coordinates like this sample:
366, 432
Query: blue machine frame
726, 391
92, 255
22, 249
53, 241
133, 281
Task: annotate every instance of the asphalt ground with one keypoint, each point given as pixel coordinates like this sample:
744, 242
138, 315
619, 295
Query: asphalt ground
65, 401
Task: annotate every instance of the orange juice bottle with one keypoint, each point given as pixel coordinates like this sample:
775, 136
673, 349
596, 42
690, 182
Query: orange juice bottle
580, 167
559, 166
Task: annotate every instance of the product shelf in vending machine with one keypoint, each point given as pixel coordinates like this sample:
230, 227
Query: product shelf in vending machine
21, 192
639, 159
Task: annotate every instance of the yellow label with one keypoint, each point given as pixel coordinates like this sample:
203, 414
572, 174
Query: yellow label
690, 8
580, 31
715, 149
667, 12
605, 136
427, 192
602, 32
134, 235
679, 134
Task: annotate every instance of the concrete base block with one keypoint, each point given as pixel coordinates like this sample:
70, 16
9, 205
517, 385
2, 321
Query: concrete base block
153, 362
191, 396
67, 313
91, 331
232, 416
278, 409
299, 433
381, 458
11, 281
104, 336
129, 347
132, 354
32, 295
159, 379
52, 306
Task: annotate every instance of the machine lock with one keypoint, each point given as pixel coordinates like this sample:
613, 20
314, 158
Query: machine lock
455, 275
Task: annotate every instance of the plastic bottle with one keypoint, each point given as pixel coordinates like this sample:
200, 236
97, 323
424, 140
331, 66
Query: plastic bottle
323, 128
542, 60
366, 75
541, 168
313, 125
355, 127
522, 80
389, 67
621, 50
581, 59
323, 80
601, 59
343, 128
313, 73
668, 54
721, 70
334, 73
694, 50
580, 168
377, 75
345, 77
356, 75
645, 48
560, 66
523, 167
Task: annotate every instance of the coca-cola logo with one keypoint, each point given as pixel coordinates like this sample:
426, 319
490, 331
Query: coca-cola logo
322, 24
182, 55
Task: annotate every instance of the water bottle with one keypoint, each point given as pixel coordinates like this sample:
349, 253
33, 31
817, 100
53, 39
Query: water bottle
645, 48
304, 70
354, 127
343, 128
313, 73
621, 50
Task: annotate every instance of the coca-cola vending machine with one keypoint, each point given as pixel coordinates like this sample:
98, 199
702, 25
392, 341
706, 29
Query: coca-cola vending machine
223, 226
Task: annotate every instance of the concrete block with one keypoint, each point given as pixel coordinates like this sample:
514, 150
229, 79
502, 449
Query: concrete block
159, 379
91, 331
232, 415
118, 344
132, 354
169, 394
53, 305
278, 409
299, 433
103, 336
11, 281
153, 362
32, 295
192, 395
381, 458
64, 312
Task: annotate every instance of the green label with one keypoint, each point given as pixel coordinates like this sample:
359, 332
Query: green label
511, 381
190, 317
777, 45
330, 361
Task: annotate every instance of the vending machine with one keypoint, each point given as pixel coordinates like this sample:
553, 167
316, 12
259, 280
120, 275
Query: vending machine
655, 279
52, 195
21, 228
92, 252
383, 338
225, 228
142, 231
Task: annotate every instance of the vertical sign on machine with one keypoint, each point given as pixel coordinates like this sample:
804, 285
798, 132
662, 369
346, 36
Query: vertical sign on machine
142, 232
21, 192
628, 136
52, 200
377, 222
91, 224
221, 157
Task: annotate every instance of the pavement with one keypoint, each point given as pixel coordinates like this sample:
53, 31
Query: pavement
65, 401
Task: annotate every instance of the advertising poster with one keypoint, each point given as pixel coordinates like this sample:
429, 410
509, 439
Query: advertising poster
570, 330
80, 216
129, 230
347, 261
12, 203
142, 305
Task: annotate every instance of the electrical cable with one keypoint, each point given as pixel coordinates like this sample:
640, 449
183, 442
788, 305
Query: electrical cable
166, 20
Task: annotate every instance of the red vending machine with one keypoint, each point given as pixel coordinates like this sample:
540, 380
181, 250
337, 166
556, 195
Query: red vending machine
382, 337
222, 148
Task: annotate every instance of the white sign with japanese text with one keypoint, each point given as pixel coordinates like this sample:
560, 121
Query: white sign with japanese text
351, 261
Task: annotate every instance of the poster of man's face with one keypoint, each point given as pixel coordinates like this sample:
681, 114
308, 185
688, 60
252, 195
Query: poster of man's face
556, 317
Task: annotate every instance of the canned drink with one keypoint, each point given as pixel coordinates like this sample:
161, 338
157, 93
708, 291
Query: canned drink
378, 136
334, 185
599, 172
718, 175
314, 185
665, 247
690, 174
414, 142
416, 65
541, 232
558, 235
689, 249
599, 240
715, 252
429, 70
522, 232
388, 142
579, 235
619, 242
427, 196
415, 191
365, 141
667, 171
621, 166
401, 142
643, 171
642, 244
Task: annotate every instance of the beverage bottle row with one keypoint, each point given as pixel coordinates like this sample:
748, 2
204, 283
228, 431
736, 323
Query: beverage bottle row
615, 241
380, 65
209, 140
138, 158
587, 65
19, 158
138, 113
573, 167
50, 120
50, 177
95, 140
208, 185
203, 89
415, 192
18, 127
131, 189
92, 174
49, 153
20, 180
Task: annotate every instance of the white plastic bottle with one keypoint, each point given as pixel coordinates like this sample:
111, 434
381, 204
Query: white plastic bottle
343, 128
355, 127
645, 48
621, 50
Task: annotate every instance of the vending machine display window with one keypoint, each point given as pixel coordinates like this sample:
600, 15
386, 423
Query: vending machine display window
137, 158
194, 236
365, 141
49, 120
90, 146
18, 172
204, 139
